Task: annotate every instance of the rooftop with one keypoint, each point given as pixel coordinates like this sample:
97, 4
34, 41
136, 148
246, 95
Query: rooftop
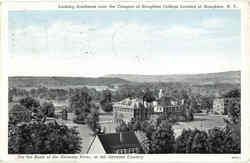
131, 103
113, 141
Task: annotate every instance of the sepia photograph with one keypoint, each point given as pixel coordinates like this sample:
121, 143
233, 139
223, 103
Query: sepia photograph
124, 82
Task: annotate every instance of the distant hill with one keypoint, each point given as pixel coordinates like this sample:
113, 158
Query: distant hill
63, 81
230, 77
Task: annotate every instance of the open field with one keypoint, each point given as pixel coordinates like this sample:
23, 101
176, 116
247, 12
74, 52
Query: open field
201, 122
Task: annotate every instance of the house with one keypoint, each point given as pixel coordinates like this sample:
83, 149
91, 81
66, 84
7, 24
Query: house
132, 109
115, 143
221, 105
218, 106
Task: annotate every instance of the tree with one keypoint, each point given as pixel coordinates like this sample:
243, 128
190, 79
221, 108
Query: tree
122, 127
188, 109
92, 121
80, 104
233, 93
144, 141
148, 96
216, 140
106, 101
234, 111
234, 124
81, 100
181, 141
43, 138
107, 107
163, 139
189, 114
134, 125
148, 128
197, 142
18, 113
161, 118
106, 96
48, 109
221, 141
207, 103
10, 99
29, 103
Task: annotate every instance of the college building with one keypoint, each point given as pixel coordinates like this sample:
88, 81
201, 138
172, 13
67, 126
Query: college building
130, 109
174, 111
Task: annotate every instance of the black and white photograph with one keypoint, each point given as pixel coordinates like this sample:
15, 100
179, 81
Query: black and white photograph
124, 81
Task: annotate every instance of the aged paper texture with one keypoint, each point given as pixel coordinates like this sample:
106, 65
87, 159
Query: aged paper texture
125, 81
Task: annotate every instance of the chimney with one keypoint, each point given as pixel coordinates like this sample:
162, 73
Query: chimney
121, 137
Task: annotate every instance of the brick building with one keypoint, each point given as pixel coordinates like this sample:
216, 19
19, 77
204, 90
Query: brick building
132, 109
175, 110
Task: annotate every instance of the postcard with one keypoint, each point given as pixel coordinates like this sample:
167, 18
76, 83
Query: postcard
125, 81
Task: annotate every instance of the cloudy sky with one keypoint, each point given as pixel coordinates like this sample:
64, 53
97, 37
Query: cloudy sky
96, 43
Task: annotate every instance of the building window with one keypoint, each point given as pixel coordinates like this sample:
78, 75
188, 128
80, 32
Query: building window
132, 150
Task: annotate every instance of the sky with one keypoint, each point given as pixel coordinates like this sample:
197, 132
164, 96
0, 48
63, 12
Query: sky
97, 43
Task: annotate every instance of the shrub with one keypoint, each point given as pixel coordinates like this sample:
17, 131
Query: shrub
43, 138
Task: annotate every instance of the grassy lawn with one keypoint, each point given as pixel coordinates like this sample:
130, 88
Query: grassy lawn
201, 122
106, 117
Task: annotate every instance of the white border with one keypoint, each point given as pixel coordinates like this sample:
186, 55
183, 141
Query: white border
243, 157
